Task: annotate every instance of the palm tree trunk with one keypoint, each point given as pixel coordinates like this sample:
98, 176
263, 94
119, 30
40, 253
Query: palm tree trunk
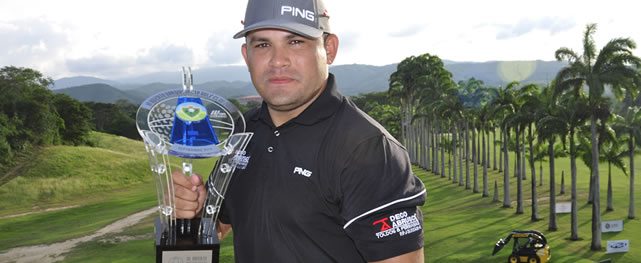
541, 172
501, 135
519, 179
506, 170
552, 226
535, 202
428, 124
442, 145
631, 213
574, 221
494, 148
460, 148
475, 157
467, 156
489, 147
449, 165
478, 150
596, 202
486, 192
435, 147
609, 206
454, 155
523, 170
423, 134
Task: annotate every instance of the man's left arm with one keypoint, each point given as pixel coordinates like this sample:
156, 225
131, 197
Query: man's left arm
380, 196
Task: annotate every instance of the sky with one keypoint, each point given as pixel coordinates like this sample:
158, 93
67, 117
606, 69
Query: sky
124, 38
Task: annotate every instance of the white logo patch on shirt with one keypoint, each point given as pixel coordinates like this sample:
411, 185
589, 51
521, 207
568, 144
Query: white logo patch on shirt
240, 159
399, 224
303, 172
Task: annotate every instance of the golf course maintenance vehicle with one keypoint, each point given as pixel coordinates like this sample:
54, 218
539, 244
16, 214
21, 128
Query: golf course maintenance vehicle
529, 247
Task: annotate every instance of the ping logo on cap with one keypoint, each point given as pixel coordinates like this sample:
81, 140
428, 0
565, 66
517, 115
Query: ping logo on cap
295, 11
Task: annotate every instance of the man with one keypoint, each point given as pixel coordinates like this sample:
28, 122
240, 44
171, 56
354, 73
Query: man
325, 182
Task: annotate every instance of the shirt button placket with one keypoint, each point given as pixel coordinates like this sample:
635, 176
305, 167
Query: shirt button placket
271, 148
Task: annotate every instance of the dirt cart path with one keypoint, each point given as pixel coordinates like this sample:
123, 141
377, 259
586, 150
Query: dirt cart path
53, 252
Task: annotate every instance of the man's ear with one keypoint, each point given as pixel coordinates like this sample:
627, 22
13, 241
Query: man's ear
331, 47
243, 50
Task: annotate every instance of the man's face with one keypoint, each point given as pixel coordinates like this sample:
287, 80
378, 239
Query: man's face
288, 70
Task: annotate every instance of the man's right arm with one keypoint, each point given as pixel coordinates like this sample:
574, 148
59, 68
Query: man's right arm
190, 197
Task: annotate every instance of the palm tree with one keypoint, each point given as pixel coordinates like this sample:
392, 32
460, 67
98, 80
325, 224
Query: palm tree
572, 111
525, 106
548, 127
503, 105
596, 70
532, 104
484, 116
613, 154
630, 122
414, 77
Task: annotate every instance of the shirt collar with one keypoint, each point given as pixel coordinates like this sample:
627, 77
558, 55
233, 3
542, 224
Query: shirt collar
323, 107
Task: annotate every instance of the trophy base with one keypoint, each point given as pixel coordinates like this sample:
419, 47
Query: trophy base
185, 246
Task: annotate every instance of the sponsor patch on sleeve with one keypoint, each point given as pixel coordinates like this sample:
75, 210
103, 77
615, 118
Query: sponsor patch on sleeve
399, 224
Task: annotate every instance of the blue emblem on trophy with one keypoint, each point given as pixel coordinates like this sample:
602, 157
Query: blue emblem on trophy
177, 127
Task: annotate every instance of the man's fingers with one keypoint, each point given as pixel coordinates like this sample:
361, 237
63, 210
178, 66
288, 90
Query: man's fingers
186, 205
185, 214
202, 195
196, 181
181, 179
185, 193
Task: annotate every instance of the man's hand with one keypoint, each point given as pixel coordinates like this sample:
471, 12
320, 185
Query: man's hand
190, 194
223, 230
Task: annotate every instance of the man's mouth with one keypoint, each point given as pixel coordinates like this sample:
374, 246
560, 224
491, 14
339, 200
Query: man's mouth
280, 80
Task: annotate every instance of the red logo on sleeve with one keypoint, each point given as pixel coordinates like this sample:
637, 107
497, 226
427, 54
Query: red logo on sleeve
384, 223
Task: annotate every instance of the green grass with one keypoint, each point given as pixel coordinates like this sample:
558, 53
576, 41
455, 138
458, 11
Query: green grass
56, 226
461, 226
112, 181
66, 175
141, 250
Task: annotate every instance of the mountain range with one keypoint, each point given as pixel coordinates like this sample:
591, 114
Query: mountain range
354, 79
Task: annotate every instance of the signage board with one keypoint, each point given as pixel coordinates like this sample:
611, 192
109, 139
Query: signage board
564, 207
612, 226
617, 246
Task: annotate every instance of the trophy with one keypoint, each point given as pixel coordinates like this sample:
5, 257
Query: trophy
180, 129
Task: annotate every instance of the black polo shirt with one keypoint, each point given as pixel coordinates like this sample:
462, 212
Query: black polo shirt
331, 185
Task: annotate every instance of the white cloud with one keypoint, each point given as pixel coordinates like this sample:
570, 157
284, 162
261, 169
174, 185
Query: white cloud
120, 37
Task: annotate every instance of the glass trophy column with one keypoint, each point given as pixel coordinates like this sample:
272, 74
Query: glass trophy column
179, 127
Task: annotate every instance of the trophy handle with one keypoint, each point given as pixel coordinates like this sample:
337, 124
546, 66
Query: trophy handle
159, 163
219, 180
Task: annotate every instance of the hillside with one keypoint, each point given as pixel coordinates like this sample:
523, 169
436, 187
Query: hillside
61, 173
98, 92
233, 81
80, 81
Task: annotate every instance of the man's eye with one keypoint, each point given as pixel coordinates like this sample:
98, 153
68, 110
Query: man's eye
262, 45
296, 42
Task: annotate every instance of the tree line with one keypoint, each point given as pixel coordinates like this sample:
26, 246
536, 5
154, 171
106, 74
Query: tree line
441, 119
31, 115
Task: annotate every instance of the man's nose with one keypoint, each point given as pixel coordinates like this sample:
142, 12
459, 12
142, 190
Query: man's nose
280, 57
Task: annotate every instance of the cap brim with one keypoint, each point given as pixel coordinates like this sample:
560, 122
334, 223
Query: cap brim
296, 28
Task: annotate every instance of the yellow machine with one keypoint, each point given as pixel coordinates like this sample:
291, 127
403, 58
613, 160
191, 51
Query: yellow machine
529, 247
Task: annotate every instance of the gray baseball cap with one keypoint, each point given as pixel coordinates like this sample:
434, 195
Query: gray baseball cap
308, 18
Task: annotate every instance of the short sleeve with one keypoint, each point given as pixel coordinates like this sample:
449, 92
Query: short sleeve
380, 199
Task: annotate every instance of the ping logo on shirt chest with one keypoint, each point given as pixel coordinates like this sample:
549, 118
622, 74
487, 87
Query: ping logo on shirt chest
302, 171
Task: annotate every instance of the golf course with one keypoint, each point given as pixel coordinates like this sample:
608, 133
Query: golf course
96, 204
